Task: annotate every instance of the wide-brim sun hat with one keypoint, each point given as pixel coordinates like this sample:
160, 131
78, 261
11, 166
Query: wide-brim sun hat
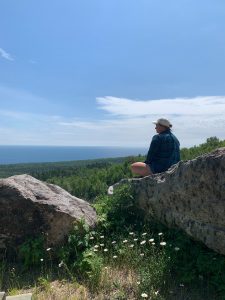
163, 122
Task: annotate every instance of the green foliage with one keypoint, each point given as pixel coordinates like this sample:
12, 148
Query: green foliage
2, 272
120, 211
194, 262
43, 171
190, 261
78, 258
78, 242
31, 252
44, 284
90, 266
154, 272
210, 144
89, 183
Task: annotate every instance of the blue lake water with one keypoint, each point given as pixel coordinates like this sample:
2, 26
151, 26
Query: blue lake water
36, 154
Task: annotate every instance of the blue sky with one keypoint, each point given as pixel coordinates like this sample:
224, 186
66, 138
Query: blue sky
97, 72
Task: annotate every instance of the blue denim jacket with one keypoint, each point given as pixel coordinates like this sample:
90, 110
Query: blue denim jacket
164, 151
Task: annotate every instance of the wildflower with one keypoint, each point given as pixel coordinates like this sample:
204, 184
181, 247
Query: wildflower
156, 293
143, 234
151, 240
142, 242
131, 233
105, 250
131, 246
115, 256
160, 233
163, 243
102, 237
176, 249
113, 242
61, 264
144, 295
142, 254
106, 268
135, 240
138, 282
102, 245
41, 259
96, 246
95, 250
153, 244
125, 241
48, 249
181, 285
91, 238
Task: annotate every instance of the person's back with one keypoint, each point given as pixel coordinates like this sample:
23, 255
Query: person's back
164, 151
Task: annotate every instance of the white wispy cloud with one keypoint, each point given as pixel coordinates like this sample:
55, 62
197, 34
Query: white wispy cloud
180, 106
5, 55
194, 119
129, 122
125, 122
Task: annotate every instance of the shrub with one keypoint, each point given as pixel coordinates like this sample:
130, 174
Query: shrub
120, 211
31, 252
90, 266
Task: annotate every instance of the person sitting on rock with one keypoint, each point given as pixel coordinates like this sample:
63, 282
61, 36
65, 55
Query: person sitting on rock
164, 151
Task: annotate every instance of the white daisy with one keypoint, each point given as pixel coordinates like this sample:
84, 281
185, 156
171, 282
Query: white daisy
144, 295
163, 243
61, 264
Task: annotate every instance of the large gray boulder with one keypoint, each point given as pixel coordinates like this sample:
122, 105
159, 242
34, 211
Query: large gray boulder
29, 207
190, 195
